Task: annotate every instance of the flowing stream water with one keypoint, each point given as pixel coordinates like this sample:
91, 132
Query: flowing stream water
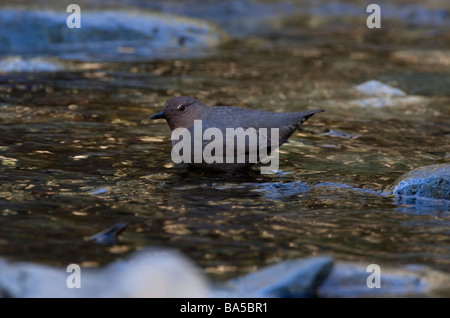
79, 152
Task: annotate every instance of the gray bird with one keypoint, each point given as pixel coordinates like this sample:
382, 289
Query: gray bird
188, 116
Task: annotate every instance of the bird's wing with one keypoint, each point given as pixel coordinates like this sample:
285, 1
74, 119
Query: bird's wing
249, 134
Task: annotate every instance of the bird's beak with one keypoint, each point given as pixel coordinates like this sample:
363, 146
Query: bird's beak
158, 115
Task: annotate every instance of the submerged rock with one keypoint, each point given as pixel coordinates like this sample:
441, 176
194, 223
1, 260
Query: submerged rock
294, 278
376, 88
109, 236
382, 95
428, 181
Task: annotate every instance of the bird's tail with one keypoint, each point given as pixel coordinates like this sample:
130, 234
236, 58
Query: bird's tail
307, 114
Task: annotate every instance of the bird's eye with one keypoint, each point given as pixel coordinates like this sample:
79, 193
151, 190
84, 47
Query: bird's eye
180, 107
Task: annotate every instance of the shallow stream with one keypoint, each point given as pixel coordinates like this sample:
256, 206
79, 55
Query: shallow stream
79, 153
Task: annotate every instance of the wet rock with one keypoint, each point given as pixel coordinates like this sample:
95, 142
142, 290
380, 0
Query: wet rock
125, 34
294, 278
165, 273
148, 273
382, 95
351, 280
376, 88
428, 181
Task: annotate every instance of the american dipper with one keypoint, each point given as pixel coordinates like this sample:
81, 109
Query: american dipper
224, 136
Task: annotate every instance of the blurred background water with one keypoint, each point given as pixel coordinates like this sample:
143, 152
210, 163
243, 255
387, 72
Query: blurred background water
79, 153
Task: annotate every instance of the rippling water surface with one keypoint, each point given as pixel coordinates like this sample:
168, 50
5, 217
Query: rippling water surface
79, 154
